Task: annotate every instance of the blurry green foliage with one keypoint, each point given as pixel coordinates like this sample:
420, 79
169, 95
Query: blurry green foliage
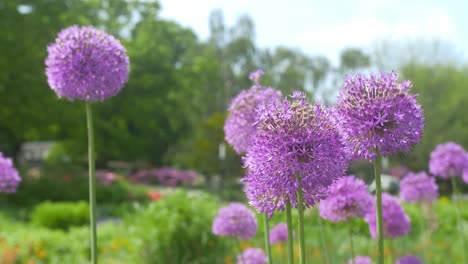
60, 215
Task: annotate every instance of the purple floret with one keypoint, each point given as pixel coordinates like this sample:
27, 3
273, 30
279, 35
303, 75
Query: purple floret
87, 64
395, 221
279, 234
378, 115
239, 126
252, 256
449, 160
9, 177
409, 260
361, 260
418, 187
293, 138
348, 198
235, 220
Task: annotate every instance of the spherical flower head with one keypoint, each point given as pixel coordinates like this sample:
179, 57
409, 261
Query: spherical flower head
279, 234
235, 220
252, 256
418, 187
448, 160
87, 64
239, 126
347, 198
294, 138
379, 115
409, 260
395, 221
360, 260
9, 177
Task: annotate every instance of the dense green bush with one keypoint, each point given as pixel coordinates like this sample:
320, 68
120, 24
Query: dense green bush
177, 229
60, 215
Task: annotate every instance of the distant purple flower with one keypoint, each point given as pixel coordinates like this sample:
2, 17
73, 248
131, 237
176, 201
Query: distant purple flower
166, 176
252, 256
279, 234
418, 187
378, 114
86, 64
292, 138
9, 177
409, 260
235, 220
106, 177
361, 260
395, 221
239, 126
449, 160
255, 76
347, 198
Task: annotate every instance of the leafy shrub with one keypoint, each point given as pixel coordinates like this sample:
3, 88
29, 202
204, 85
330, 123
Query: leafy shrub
61, 215
177, 229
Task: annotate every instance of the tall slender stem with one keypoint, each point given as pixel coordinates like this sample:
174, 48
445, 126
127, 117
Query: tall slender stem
267, 237
459, 219
324, 240
350, 228
378, 199
290, 233
300, 207
92, 183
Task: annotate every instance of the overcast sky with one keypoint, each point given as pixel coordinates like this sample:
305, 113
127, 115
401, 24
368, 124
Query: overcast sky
326, 27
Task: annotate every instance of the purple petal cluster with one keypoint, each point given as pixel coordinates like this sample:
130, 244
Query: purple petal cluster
378, 114
293, 138
166, 176
360, 260
409, 260
418, 187
348, 198
239, 126
9, 177
235, 220
449, 160
279, 234
86, 64
395, 221
252, 256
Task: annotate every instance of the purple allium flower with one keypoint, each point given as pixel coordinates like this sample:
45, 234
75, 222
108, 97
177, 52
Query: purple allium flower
235, 220
395, 221
255, 76
86, 64
292, 138
240, 124
378, 114
448, 160
418, 187
409, 260
9, 177
348, 197
361, 260
279, 233
252, 256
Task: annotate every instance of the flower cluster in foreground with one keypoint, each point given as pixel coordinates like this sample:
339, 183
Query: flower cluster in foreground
418, 187
347, 198
86, 64
395, 221
252, 256
9, 177
378, 115
235, 220
294, 139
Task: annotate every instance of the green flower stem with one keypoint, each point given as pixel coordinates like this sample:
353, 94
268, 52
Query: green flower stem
300, 207
267, 237
378, 199
350, 228
290, 233
459, 218
324, 240
92, 184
